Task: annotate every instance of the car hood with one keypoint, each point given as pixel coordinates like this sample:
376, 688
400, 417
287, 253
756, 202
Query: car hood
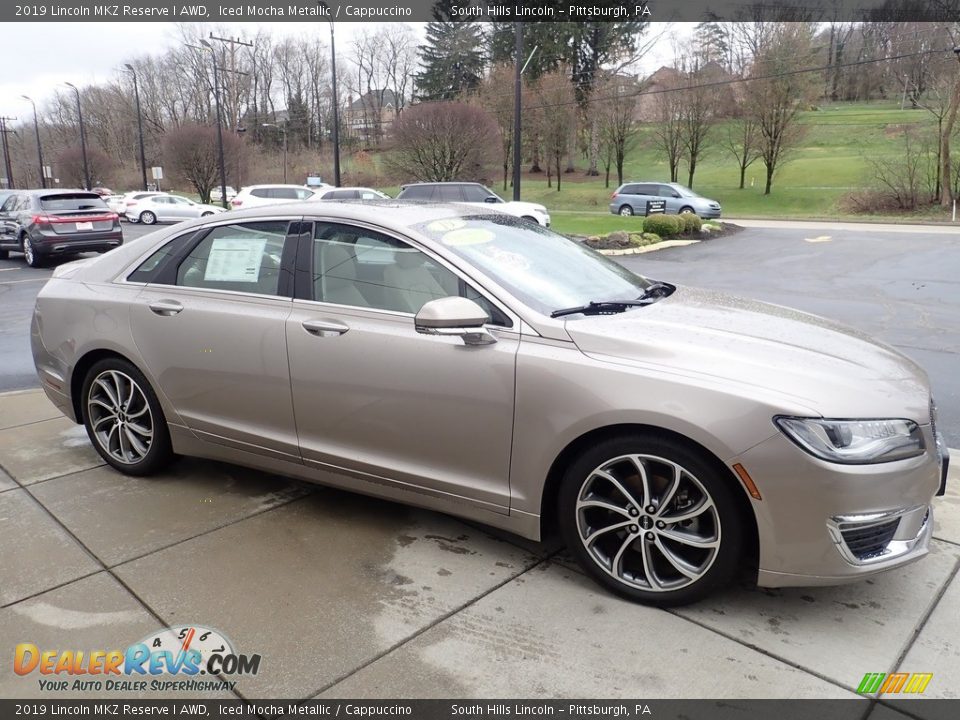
829, 368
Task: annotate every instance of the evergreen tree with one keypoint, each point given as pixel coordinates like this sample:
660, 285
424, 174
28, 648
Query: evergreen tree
452, 57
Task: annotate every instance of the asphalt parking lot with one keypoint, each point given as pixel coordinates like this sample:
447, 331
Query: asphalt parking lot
345, 596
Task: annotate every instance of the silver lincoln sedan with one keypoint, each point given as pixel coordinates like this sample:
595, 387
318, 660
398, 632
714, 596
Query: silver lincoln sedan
458, 359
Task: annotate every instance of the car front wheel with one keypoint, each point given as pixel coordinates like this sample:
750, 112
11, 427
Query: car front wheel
651, 520
124, 419
686, 209
626, 210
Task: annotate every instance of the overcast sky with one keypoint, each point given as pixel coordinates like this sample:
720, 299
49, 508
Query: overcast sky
41, 56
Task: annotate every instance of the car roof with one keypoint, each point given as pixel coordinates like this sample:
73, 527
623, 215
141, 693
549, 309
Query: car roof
59, 191
272, 185
420, 184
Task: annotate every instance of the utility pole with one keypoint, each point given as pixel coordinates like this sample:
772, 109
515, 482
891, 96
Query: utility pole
6, 149
517, 103
83, 139
36, 129
336, 102
136, 94
234, 120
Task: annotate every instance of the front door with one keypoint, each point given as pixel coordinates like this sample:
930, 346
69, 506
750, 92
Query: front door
373, 396
212, 334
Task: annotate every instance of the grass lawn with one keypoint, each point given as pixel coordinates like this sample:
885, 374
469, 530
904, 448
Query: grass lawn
830, 161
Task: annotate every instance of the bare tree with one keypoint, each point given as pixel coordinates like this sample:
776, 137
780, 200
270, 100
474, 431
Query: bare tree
438, 142
616, 123
555, 95
70, 164
743, 142
191, 152
668, 129
776, 96
698, 109
500, 104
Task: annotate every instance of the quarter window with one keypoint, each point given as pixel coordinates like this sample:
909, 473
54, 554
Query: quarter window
243, 258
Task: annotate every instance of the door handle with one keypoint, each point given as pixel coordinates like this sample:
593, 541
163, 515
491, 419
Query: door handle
324, 328
165, 308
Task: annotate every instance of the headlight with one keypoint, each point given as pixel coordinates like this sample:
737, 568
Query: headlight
854, 442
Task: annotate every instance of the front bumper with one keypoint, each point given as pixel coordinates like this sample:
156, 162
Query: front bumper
822, 523
710, 213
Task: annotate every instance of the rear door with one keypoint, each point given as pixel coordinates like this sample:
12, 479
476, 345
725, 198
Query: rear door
210, 328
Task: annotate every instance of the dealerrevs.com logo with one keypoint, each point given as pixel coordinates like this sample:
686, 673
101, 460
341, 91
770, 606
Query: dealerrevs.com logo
190, 658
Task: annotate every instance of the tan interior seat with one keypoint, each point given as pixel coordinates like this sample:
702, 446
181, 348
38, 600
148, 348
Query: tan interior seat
409, 283
337, 280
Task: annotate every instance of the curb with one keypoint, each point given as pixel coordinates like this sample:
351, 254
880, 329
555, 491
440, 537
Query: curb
650, 248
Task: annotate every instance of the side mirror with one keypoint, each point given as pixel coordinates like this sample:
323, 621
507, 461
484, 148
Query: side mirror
454, 316
677, 195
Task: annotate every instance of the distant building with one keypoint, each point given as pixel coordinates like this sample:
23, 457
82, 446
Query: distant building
665, 78
370, 116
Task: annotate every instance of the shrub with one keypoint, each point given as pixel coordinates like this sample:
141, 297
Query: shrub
662, 225
691, 223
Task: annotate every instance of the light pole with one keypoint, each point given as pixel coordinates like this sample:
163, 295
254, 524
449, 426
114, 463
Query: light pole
136, 95
36, 128
216, 97
283, 129
336, 103
83, 139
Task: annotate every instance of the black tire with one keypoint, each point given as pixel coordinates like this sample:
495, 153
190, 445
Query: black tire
159, 452
626, 210
530, 219
206, 214
148, 218
686, 209
721, 522
4, 254
30, 255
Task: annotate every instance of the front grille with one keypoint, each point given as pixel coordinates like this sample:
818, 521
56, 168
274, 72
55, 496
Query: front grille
870, 541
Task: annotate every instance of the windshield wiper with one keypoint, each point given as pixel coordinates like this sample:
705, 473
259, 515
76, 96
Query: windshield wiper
651, 294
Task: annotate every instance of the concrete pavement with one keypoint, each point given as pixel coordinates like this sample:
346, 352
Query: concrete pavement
345, 596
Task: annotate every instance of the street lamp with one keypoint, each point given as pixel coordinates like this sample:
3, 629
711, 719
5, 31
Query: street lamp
136, 94
83, 139
336, 109
283, 129
36, 128
216, 97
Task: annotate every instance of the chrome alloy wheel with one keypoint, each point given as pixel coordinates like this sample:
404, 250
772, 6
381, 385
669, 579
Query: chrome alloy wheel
120, 416
648, 522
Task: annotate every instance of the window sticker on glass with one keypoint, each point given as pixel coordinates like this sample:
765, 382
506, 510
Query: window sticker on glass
467, 236
235, 260
439, 226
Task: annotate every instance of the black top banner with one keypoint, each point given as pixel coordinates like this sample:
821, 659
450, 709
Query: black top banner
480, 10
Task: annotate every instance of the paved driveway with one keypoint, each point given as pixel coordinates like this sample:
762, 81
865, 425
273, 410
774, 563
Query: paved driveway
346, 596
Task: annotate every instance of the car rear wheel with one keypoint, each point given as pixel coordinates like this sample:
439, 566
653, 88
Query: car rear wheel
650, 519
626, 210
124, 419
4, 254
30, 255
147, 217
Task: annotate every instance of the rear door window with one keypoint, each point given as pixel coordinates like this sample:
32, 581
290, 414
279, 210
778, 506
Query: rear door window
449, 193
416, 192
262, 192
72, 202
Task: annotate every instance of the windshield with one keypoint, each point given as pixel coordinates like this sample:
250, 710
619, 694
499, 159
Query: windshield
546, 271
685, 191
